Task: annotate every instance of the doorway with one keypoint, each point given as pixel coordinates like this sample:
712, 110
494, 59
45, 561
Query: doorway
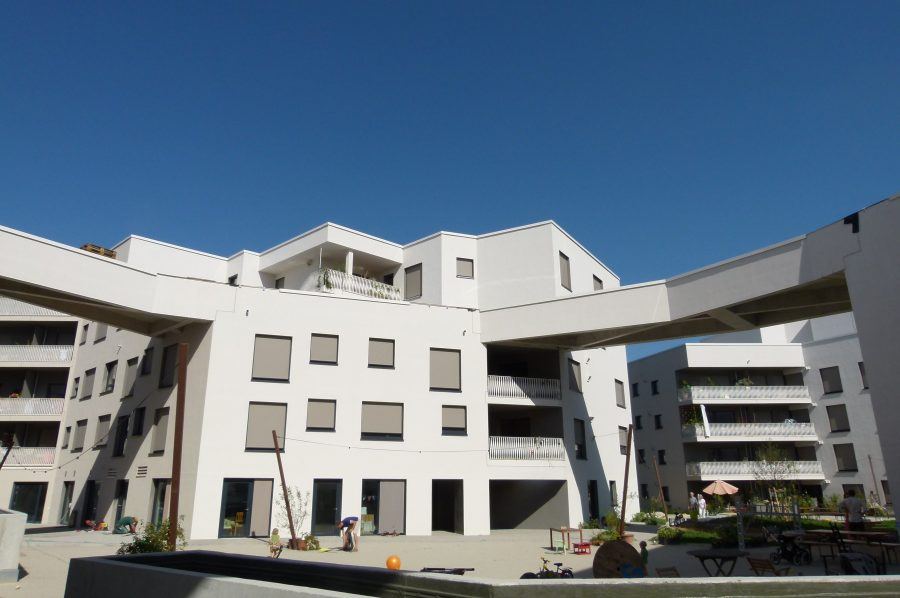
91, 498
65, 507
326, 511
234, 520
383, 507
447, 506
28, 498
159, 508
593, 501
121, 497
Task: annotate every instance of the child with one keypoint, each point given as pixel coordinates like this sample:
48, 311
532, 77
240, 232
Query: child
275, 546
645, 556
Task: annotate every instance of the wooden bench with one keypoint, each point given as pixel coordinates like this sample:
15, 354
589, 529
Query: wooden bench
763, 566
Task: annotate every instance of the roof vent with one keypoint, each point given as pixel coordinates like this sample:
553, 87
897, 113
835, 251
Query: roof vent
91, 248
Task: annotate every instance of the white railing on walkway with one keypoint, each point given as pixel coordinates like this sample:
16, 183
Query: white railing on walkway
29, 456
713, 394
31, 406
750, 469
526, 448
331, 280
36, 353
14, 307
513, 387
765, 430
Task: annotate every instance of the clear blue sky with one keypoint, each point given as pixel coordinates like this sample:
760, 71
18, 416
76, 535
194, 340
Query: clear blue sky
664, 136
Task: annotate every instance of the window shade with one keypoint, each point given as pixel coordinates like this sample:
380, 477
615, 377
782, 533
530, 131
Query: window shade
381, 352
80, 431
846, 457
131, 370
837, 418
167, 372
831, 380
620, 393
565, 277
100, 333
320, 414
87, 386
102, 430
323, 348
160, 430
262, 418
413, 282
271, 357
574, 375
465, 268
382, 419
453, 417
445, 369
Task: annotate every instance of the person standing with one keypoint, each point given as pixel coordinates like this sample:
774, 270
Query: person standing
853, 510
692, 503
701, 507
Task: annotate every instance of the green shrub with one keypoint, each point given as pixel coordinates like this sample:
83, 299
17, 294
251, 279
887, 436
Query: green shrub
648, 518
612, 519
590, 524
831, 502
312, 542
668, 534
606, 535
153, 538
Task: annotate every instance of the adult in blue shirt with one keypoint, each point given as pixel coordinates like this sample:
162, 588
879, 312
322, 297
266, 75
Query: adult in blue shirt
348, 526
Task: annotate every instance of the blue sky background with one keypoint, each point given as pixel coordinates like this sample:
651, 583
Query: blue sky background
664, 136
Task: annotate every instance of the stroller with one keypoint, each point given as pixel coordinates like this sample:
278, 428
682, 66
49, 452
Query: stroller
788, 550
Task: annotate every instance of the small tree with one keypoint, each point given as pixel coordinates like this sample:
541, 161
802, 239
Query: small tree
773, 470
299, 508
153, 538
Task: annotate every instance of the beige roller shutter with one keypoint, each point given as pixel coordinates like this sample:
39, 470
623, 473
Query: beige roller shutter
413, 282
272, 357
131, 370
160, 430
80, 431
262, 418
453, 417
87, 385
381, 353
465, 268
445, 369
102, 434
565, 277
320, 414
323, 348
382, 419
620, 393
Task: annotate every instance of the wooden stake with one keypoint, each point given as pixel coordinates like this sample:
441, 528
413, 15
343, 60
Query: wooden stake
294, 545
662, 497
176, 449
8, 445
625, 485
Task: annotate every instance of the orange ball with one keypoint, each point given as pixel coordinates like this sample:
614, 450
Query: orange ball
393, 562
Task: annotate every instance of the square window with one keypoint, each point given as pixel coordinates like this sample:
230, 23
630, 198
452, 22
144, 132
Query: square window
580, 446
137, 423
665, 493
635, 388
121, 436
654, 387
323, 349
160, 431
68, 433
88, 387
320, 415
271, 358
661, 456
831, 380
100, 332
445, 371
453, 420
645, 493
657, 422
623, 440
465, 268
262, 418
147, 362
845, 457
837, 418
413, 282
381, 353
382, 421
620, 394
637, 423
598, 284
80, 433
102, 433
169, 363
565, 275
574, 375
131, 371
109, 377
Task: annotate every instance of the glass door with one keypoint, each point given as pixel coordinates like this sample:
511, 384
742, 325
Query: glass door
237, 497
326, 510
65, 507
158, 512
121, 496
28, 498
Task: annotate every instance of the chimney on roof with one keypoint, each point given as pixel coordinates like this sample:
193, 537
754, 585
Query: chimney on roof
90, 247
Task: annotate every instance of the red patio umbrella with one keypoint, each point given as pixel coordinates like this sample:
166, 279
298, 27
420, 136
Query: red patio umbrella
720, 487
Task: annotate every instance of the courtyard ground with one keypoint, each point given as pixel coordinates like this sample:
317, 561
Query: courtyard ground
502, 555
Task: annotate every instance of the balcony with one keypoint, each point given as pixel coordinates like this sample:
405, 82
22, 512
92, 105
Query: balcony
36, 354
13, 307
783, 431
513, 387
29, 456
750, 470
31, 407
742, 395
519, 448
335, 281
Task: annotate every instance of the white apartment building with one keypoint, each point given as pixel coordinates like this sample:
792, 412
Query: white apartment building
36, 351
703, 411
367, 359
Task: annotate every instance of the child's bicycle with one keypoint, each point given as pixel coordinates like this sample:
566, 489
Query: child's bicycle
788, 550
546, 573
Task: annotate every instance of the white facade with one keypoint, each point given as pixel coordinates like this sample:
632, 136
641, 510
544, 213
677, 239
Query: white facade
788, 403
519, 456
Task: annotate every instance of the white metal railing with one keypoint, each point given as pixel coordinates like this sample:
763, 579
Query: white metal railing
29, 456
36, 353
331, 280
514, 387
31, 406
14, 307
766, 430
749, 469
744, 393
526, 448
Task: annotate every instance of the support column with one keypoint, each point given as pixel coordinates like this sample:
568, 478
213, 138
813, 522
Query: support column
348, 263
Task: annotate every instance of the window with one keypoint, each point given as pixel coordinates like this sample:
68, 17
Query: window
262, 419
580, 448
657, 421
131, 370
565, 276
613, 494
665, 493
445, 369
640, 456
233, 280
793, 379
623, 440
381, 353
845, 457
862, 375
323, 348
74, 388
574, 375
121, 436
831, 380
271, 358
661, 456
645, 493
388, 279
160, 430
109, 377
100, 332
654, 387
620, 394
465, 268
102, 433
635, 389
598, 284
66, 435
84, 334
167, 371
637, 423
80, 432
279, 283
382, 421
320, 415
453, 420
147, 362
88, 387
837, 418
413, 282
137, 423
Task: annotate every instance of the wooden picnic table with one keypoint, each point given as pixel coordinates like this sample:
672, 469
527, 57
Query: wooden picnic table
720, 557
566, 536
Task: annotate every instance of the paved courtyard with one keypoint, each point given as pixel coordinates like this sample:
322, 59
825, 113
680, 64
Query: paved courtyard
502, 555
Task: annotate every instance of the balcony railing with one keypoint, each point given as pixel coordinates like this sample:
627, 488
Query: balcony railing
36, 353
14, 307
31, 406
774, 430
749, 470
513, 387
744, 394
29, 456
335, 280
526, 448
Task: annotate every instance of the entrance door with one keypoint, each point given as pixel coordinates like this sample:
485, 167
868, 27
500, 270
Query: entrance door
121, 496
383, 506
593, 500
158, 510
447, 506
28, 498
65, 507
326, 507
91, 498
237, 496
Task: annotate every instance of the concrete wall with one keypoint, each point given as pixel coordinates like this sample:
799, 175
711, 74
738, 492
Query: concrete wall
527, 504
12, 530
